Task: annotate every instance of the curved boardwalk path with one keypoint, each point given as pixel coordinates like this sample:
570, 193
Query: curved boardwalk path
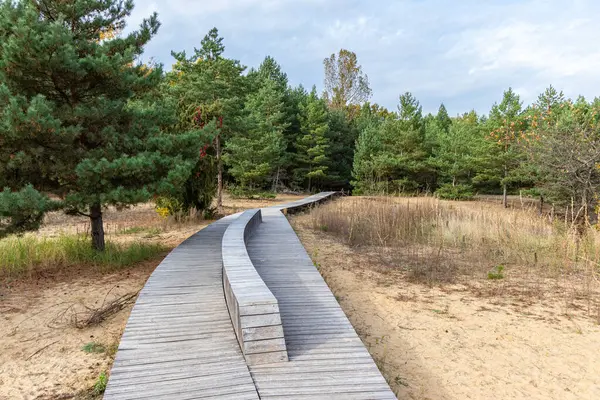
179, 342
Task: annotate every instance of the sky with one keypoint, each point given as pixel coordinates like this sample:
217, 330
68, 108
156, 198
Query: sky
463, 53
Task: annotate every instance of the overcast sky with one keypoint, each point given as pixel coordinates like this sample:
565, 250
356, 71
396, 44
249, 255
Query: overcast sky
460, 52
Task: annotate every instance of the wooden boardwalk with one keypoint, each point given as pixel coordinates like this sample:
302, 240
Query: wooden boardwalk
179, 342
327, 359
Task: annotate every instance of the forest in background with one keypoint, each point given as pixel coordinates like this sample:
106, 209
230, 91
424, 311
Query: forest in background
84, 124
290, 138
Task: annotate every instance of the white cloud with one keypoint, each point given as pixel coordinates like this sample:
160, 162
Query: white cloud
463, 53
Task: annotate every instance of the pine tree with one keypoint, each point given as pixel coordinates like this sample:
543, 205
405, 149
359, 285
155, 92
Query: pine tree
365, 170
342, 135
297, 96
269, 69
458, 151
443, 119
312, 144
210, 92
505, 155
256, 156
79, 119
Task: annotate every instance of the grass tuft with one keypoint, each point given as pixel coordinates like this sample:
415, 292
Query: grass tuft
93, 347
496, 273
24, 255
149, 231
100, 385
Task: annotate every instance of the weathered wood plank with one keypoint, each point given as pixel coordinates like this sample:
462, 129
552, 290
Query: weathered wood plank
181, 341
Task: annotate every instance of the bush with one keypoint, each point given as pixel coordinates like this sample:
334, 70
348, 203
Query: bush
22, 255
166, 206
455, 192
239, 192
22, 211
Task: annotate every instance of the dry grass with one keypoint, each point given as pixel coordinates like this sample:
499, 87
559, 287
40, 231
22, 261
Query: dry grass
27, 255
492, 250
133, 234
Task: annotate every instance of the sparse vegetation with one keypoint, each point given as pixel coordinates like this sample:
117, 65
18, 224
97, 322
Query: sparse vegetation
434, 241
93, 347
444, 286
100, 385
496, 273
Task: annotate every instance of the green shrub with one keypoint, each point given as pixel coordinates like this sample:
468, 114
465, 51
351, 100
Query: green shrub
240, 192
455, 192
21, 255
22, 211
496, 273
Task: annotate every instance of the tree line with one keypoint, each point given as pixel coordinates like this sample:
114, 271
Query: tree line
84, 125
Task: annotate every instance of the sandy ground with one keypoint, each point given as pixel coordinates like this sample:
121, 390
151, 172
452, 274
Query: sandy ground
41, 354
453, 344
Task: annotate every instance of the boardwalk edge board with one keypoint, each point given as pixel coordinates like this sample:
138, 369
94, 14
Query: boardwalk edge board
253, 309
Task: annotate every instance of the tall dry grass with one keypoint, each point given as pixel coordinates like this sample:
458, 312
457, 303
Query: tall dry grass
437, 241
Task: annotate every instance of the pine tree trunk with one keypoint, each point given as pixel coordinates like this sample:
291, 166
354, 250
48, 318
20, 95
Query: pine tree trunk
97, 227
276, 181
541, 204
219, 174
505, 188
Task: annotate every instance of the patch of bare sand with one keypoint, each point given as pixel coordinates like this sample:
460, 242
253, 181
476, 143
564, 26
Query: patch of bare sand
41, 353
453, 344
42, 356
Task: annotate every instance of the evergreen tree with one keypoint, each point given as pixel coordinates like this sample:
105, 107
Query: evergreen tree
270, 70
365, 170
79, 119
210, 92
410, 113
342, 135
505, 153
295, 97
443, 119
458, 152
256, 156
312, 143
